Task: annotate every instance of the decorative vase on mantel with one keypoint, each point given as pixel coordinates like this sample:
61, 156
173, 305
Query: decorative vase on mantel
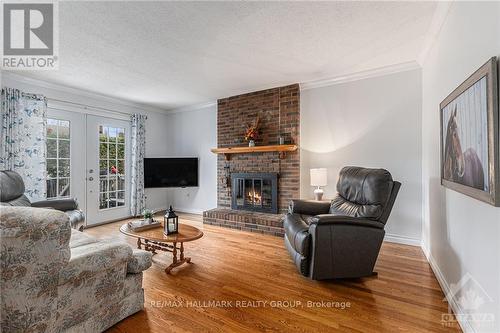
252, 132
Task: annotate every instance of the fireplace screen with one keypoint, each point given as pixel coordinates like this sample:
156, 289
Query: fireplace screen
255, 192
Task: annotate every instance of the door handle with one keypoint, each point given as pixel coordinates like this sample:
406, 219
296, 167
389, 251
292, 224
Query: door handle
91, 178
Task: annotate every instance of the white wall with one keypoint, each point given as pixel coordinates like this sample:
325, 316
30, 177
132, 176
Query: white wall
156, 146
156, 135
374, 122
460, 235
192, 133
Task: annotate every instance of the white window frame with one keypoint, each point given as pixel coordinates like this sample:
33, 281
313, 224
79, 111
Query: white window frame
108, 178
57, 159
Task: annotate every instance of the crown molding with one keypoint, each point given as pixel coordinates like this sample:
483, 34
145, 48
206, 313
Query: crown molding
10, 76
192, 107
381, 71
438, 20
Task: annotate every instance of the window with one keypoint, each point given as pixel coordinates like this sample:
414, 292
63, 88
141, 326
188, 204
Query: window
58, 158
111, 167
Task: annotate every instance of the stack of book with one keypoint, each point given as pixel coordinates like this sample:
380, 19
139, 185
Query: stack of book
139, 225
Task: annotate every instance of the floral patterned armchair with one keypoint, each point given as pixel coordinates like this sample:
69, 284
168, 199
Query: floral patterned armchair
56, 279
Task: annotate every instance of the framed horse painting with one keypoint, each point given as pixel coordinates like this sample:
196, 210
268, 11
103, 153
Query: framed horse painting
470, 137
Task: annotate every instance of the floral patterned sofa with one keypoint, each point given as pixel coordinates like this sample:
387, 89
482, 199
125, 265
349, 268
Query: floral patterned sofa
56, 279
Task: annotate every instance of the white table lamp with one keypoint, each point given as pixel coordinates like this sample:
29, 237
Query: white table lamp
318, 179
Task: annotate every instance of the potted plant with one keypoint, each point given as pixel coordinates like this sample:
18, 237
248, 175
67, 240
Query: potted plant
148, 214
252, 132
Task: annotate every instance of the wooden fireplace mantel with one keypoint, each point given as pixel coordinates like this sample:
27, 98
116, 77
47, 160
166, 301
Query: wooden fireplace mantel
282, 149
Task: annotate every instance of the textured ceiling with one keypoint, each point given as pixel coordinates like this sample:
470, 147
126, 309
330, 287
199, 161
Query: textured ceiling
174, 54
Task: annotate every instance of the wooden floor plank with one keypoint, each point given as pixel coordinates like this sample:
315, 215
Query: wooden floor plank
235, 266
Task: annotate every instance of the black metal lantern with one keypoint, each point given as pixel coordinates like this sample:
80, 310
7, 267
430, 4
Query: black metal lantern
171, 222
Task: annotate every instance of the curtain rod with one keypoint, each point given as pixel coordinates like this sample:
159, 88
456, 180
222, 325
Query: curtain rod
89, 106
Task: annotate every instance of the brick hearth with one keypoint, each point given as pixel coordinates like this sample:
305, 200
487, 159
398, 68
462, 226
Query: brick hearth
271, 224
233, 114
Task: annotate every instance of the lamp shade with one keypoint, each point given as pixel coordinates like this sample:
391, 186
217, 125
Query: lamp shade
319, 177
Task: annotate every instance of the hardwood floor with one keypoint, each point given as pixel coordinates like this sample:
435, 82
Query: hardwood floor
254, 287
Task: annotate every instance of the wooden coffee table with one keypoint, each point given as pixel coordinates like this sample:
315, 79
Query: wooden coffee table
154, 239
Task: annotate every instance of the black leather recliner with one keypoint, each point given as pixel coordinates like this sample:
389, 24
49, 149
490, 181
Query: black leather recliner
12, 194
342, 238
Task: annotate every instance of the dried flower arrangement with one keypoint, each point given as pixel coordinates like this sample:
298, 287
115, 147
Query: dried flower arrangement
252, 131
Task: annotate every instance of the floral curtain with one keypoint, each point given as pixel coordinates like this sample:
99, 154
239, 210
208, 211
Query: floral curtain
23, 139
138, 138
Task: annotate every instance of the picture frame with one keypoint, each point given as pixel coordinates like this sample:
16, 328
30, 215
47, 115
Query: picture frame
469, 126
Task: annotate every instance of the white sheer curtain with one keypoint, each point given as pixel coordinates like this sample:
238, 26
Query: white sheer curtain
23, 139
138, 138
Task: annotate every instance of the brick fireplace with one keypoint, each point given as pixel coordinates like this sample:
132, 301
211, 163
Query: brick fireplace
279, 111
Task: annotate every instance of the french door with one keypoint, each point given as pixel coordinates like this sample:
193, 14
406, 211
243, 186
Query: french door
88, 158
65, 158
108, 169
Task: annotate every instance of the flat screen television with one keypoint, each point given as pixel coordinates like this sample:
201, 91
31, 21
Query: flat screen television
171, 172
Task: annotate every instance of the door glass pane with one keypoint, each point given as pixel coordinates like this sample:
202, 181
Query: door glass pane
63, 148
63, 190
52, 128
63, 129
51, 188
103, 150
112, 167
103, 185
58, 158
121, 183
63, 167
103, 201
121, 198
112, 151
112, 199
120, 151
121, 135
103, 134
112, 134
51, 167
121, 167
112, 183
51, 148
103, 167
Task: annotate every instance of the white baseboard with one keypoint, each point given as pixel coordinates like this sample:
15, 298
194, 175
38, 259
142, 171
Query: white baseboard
402, 240
181, 210
159, 209
455, 307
